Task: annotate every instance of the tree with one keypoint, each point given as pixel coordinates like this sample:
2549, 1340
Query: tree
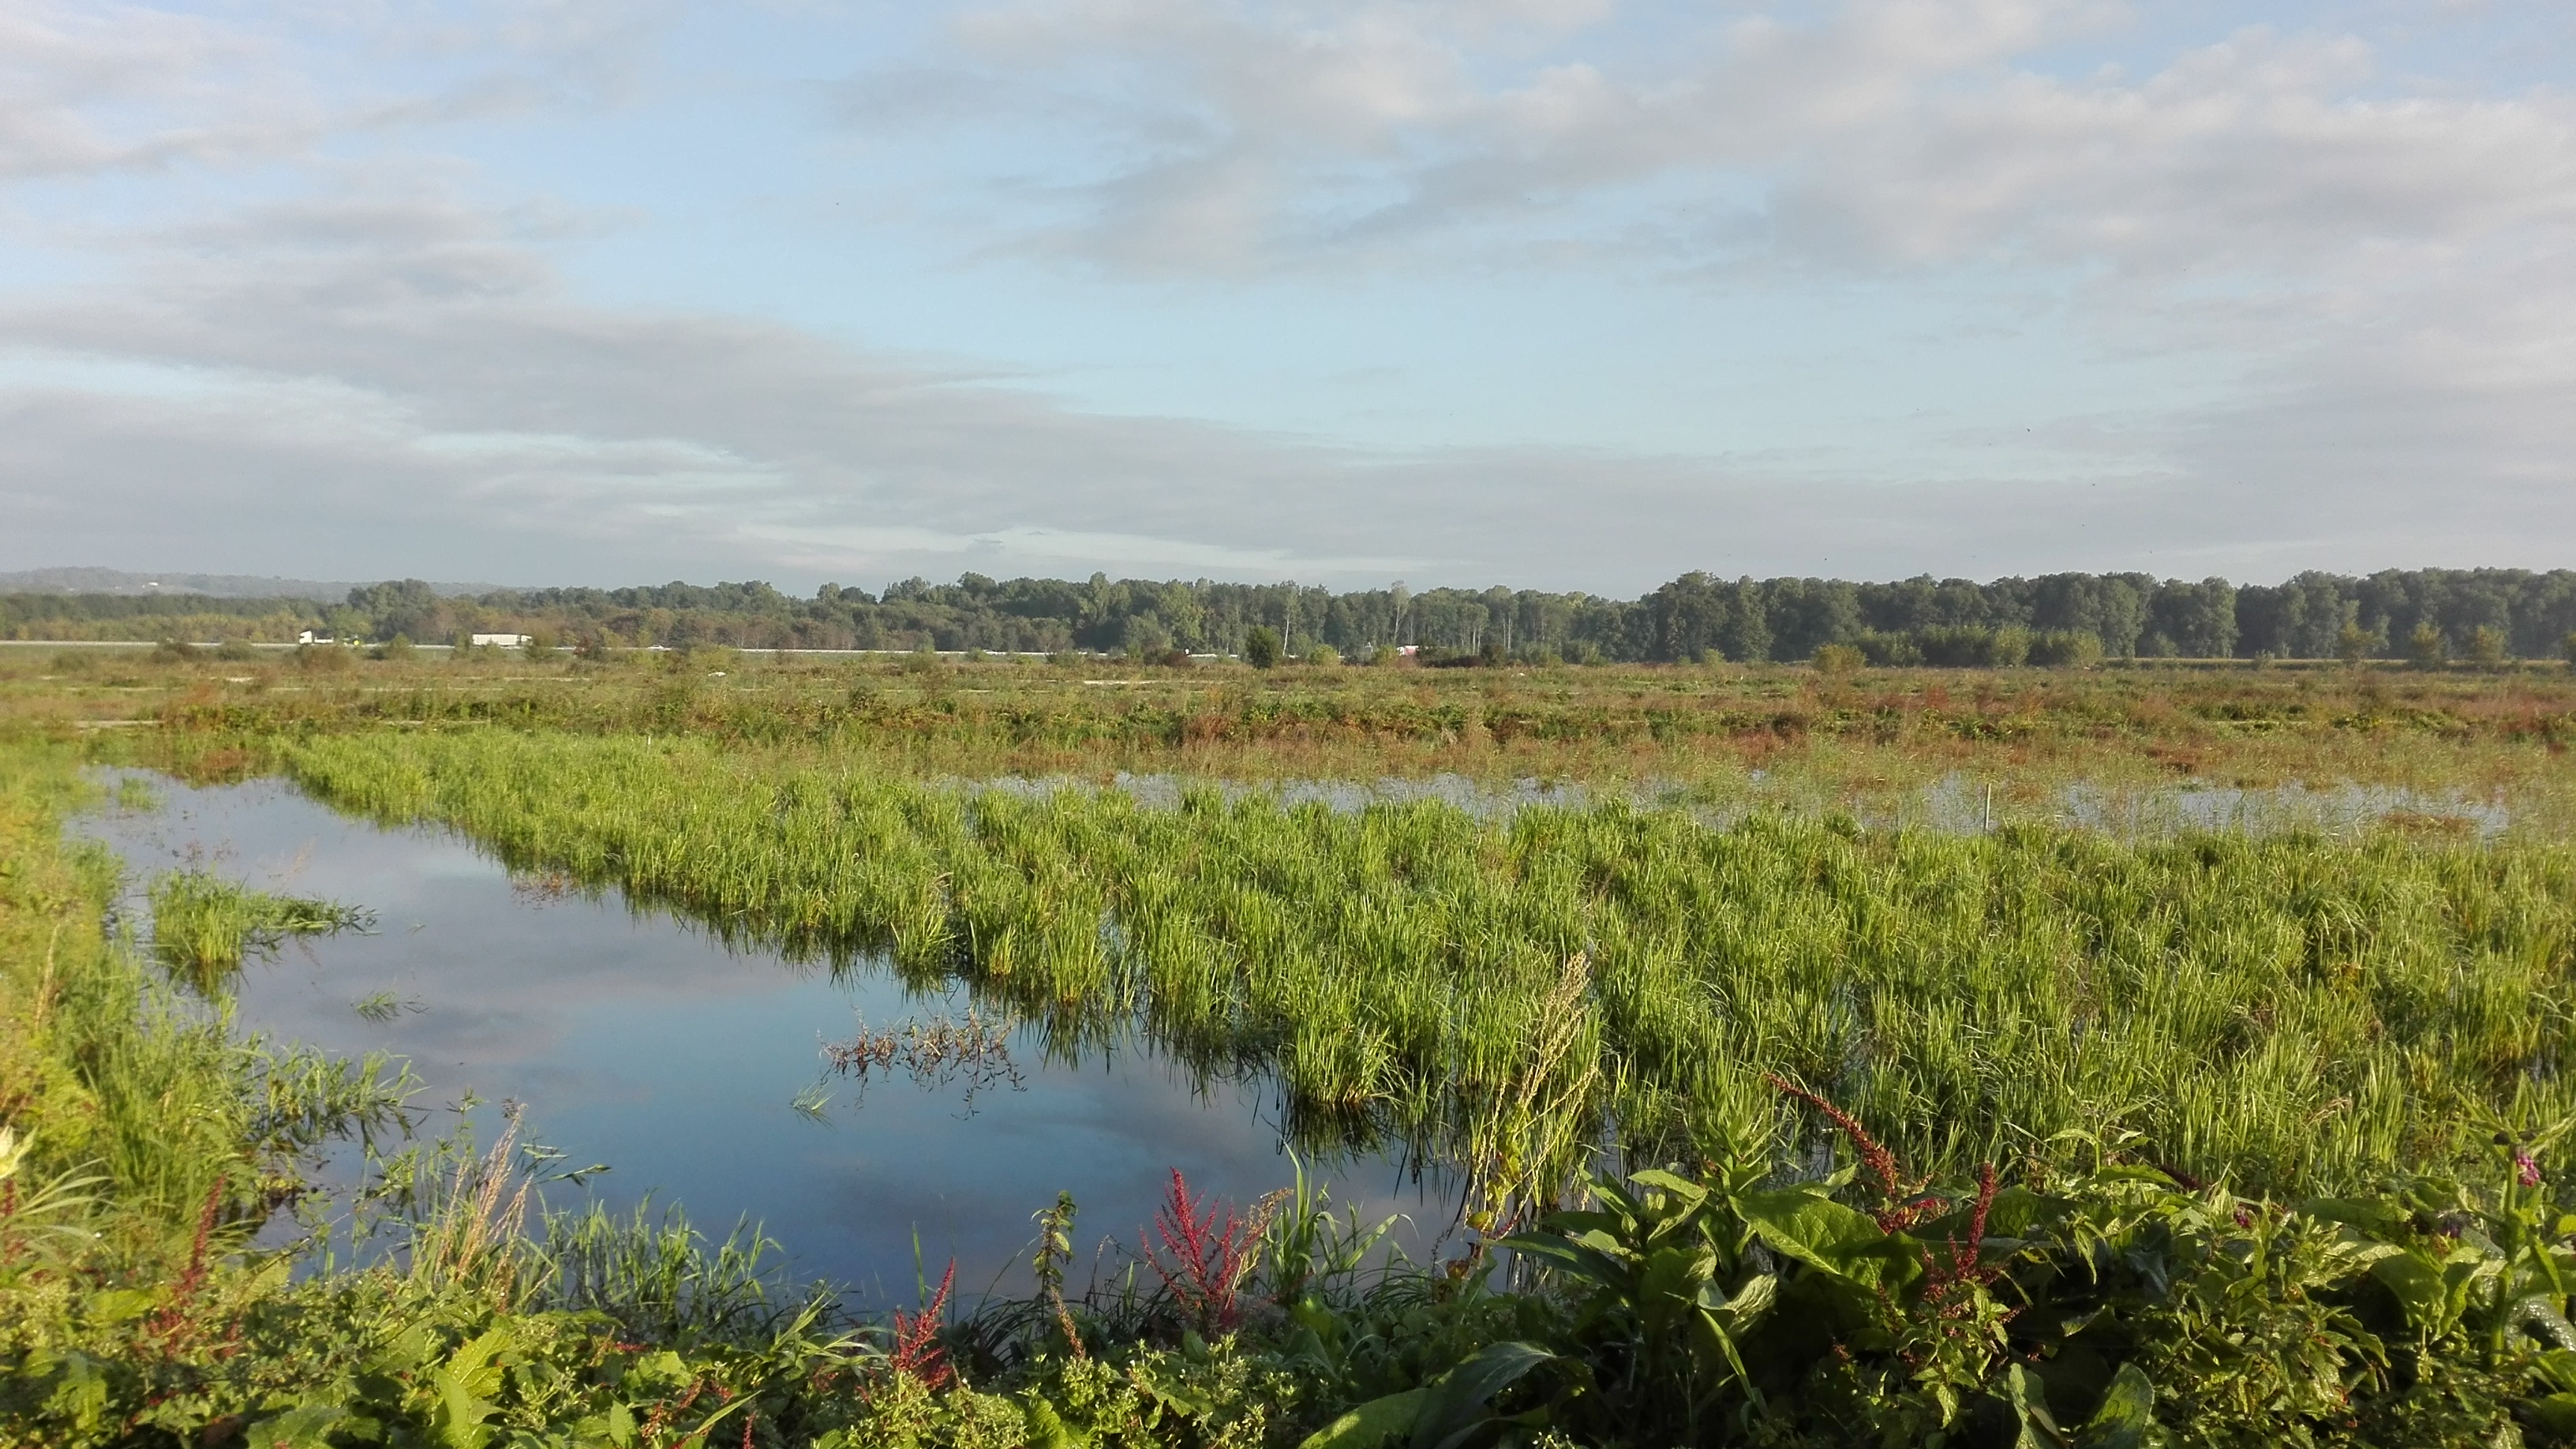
2066, 648
1260, 647
2197, 620
1800, 615
404, 606
2353, 643
1143, 636
2426, 646
2111, 607
2486, 646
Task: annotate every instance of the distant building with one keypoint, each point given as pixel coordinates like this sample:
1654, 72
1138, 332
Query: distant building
506, 641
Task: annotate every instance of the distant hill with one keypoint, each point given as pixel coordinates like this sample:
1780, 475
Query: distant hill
218, 586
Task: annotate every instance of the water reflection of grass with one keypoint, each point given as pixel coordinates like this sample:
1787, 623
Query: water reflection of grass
2291, 1011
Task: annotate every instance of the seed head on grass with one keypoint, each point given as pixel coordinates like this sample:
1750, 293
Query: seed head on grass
1880, 1162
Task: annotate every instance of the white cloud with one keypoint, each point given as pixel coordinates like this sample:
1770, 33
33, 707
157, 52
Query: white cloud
1877, 133
388, 366
89, 89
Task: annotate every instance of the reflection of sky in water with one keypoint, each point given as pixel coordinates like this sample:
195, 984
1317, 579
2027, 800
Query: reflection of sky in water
638, 1041
1954, 804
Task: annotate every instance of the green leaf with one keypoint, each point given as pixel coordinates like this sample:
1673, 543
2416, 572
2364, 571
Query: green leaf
464, 1384
1441, 1414
2555, 1415
1457, 1399
2032, 1427
2543, 1309
1752, 1299
1047, 1428
1370, 1424
1670, 1288
120, 1305
1691, 1193
310, 1426
1840, 1241
2422, 1288
1817, 1231
2127, 1415
81, 1393
1607, 1270
2557, 1369
1174, 1392
663, 1367
2376, 1217
1715, 1349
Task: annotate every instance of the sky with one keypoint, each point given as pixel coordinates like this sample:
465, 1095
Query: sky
1567, 294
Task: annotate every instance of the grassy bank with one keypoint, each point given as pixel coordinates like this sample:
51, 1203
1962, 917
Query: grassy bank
155, 1175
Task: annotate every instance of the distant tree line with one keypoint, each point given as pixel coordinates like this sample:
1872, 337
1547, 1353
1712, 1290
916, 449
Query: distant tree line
2419, 614
152, 616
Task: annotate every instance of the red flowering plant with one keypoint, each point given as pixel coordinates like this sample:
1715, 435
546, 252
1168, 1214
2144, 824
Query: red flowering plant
916, 1353
1204, 1255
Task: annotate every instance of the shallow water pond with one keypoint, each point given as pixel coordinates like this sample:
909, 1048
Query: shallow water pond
692, 1068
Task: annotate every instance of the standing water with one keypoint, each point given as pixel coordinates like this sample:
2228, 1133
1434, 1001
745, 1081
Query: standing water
696, 1071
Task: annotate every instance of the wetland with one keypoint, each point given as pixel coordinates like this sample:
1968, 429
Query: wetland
1787, 1049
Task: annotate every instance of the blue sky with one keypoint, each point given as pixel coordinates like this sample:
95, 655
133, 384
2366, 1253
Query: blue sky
1564, 293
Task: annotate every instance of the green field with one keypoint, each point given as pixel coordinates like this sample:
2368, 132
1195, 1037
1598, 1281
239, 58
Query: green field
2156, 1132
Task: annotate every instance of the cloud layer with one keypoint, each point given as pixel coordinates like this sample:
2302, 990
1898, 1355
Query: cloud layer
299, 306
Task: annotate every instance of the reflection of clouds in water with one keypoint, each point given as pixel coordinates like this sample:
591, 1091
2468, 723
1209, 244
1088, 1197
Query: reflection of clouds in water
1955, 804
638, 1039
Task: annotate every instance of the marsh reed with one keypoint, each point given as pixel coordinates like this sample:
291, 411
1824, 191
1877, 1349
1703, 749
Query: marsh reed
2288, 1012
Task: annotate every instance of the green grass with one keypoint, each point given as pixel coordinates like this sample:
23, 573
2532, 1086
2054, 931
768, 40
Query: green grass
2292, 1011
204, 926
1735, 738
2295, 1012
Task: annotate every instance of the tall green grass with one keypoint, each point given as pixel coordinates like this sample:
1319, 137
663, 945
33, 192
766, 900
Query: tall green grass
204, 926
2295, 1013
113, 1076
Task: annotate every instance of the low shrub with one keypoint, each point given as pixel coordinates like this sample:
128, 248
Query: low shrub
1837, 659
2066, 648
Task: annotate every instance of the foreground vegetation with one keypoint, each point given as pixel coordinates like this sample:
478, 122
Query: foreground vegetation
1788, 1131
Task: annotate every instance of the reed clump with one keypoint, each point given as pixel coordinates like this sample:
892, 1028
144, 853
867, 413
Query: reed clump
205, 926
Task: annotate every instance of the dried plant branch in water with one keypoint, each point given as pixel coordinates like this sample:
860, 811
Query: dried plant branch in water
935, 1052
